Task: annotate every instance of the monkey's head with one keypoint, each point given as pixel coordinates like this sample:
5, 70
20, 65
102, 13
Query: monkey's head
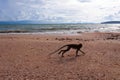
80, 45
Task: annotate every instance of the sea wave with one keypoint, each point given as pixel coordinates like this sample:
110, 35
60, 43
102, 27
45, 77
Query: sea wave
59, 28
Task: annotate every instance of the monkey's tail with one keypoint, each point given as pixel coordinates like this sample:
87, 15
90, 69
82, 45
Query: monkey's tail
57, 50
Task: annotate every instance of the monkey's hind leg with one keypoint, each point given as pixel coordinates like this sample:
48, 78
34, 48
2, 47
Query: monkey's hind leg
60, 51
64, 51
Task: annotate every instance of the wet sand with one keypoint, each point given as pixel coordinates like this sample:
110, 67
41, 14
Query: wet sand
25, 57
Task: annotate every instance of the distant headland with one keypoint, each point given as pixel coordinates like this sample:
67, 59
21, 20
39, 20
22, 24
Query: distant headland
111, 22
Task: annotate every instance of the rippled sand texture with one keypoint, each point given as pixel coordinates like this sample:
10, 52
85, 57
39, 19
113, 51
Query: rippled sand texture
25, 57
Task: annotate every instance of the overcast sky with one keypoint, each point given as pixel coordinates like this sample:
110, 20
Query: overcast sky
60, 10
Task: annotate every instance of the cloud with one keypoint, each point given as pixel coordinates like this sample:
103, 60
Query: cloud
84, 0
60, 10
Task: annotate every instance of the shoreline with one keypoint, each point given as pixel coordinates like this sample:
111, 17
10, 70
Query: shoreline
40, 33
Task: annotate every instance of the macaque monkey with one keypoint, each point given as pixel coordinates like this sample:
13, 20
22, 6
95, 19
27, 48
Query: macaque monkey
77, 47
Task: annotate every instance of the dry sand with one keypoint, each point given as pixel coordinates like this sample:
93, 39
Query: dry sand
25, 57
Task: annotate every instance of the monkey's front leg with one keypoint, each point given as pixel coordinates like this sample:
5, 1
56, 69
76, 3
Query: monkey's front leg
81, 51
77, 53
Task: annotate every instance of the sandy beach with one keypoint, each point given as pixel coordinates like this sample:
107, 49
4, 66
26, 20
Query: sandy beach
25, 57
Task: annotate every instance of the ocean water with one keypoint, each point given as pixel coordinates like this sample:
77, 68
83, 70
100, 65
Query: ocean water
58, 28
